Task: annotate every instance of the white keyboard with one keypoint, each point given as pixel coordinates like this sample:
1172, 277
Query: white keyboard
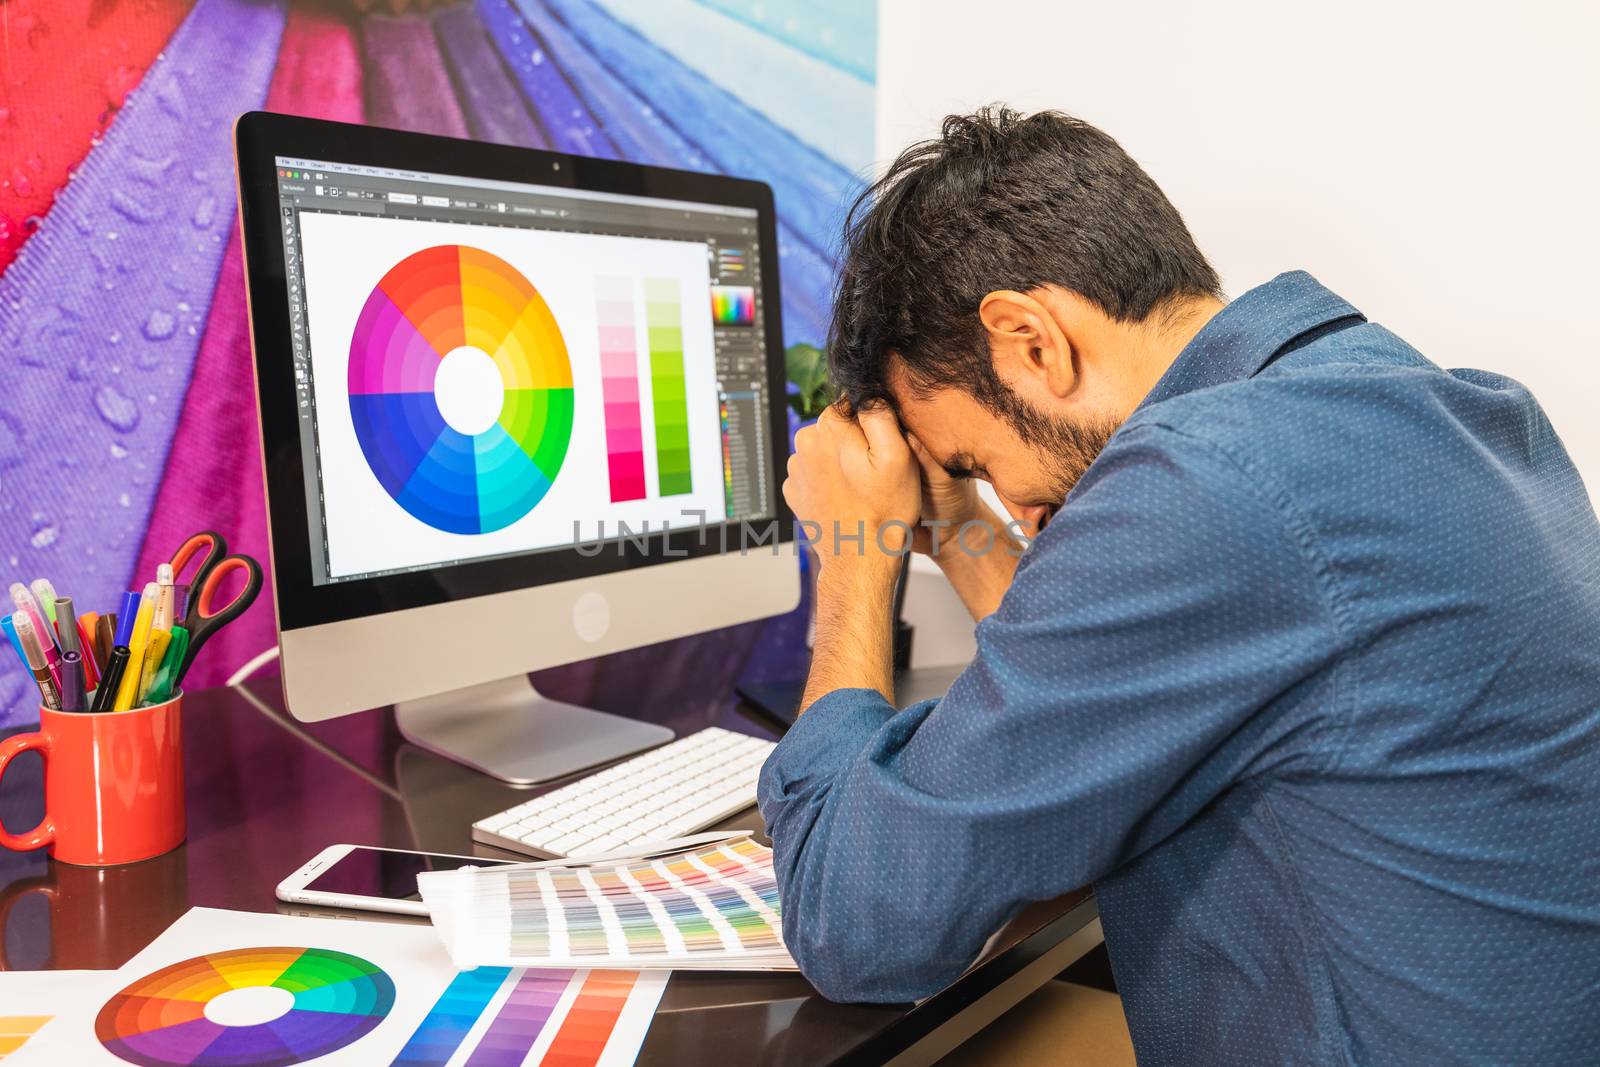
668, 792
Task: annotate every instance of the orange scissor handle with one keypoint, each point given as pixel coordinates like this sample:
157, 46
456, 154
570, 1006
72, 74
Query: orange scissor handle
215, 548
241, 600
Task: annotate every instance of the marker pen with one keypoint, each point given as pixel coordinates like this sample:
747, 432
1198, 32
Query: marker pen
11, 635
91, 662
72, 681
49, 693
161, 619
105, 697
45, 594
127, 612
105, 638
138, 642
26, 604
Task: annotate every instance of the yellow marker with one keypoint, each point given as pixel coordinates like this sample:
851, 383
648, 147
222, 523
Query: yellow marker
154, 654
138, 641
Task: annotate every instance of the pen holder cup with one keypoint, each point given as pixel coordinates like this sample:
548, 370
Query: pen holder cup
113, 784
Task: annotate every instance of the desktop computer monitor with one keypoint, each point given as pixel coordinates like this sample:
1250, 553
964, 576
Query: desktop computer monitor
518, 409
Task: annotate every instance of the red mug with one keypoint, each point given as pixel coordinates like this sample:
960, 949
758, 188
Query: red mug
113, 784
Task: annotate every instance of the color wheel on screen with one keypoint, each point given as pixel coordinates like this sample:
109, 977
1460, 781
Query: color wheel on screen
460, 389
162, 1020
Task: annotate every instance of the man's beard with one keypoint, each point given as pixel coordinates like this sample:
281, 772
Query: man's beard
1066, 447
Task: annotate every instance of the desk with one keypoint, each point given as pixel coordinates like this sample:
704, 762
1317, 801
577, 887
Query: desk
265, 793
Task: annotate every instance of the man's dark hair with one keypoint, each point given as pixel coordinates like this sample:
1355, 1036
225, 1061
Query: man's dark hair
998, 201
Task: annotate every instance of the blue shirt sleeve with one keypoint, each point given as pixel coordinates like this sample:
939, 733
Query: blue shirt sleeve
1152, 651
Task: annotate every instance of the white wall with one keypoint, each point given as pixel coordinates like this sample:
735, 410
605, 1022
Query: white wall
1436, 164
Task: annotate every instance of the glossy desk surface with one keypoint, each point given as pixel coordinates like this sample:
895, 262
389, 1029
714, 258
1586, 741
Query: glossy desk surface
265, 793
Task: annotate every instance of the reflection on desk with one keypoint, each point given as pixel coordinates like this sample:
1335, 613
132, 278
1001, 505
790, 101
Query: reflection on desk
265, 793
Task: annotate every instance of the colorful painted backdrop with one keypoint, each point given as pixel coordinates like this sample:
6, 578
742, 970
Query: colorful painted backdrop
127, 417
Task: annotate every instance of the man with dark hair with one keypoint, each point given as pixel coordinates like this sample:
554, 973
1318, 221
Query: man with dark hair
1300, 667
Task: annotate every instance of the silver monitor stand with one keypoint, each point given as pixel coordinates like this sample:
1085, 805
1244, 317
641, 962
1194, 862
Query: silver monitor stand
507, 729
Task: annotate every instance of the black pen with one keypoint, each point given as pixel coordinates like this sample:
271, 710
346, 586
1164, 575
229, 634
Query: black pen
105, 697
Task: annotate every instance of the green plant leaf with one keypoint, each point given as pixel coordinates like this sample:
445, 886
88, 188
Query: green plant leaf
807, 368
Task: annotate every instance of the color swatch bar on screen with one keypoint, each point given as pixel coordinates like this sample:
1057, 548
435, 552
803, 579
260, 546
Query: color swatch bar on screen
521, 1019
444, 1028
16, 1029
733, 305
727, 457
619, 388
669, 395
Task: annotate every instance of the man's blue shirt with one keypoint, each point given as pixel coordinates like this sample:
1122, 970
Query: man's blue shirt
1304, 678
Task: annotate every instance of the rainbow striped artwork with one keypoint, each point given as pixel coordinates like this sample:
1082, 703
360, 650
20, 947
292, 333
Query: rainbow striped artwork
715, 907
446, 307
669, 396
733, 305
122, 295
619, 388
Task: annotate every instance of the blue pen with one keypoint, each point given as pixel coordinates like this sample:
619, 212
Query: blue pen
16, 642
125, 616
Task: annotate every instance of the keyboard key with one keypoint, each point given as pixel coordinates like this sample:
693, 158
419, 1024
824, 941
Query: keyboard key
679, 788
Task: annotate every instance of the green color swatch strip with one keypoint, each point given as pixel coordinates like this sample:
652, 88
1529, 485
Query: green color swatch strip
670, 402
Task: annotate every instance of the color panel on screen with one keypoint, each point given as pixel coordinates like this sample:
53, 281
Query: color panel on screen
619, 387
668, 393
733, 305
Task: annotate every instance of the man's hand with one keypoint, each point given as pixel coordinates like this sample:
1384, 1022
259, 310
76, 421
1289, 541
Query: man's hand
856, 485
947, 503
857, 481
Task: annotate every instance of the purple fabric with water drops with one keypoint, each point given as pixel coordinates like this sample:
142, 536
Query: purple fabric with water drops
493, 109
570, 125
76, 491
101, 311
407, 85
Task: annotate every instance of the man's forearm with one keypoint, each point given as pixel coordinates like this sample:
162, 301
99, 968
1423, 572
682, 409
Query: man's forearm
980, 563
854, 645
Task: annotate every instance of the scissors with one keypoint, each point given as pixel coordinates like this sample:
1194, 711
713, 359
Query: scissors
200, 618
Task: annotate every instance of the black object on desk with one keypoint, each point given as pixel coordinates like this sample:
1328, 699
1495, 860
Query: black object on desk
780, 700
266, 792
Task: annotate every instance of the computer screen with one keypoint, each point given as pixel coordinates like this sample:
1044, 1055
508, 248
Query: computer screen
488, 369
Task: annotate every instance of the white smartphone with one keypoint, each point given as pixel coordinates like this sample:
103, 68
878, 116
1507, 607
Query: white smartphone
369, 879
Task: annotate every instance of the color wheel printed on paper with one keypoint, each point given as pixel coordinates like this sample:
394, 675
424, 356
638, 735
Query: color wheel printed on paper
460, 389
161, 1020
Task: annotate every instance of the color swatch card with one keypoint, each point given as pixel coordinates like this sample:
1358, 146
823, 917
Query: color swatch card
713, 908
247, 990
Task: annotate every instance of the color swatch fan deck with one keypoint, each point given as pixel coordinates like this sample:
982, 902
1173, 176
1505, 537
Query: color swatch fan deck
460, 389
162, 1019
712, 908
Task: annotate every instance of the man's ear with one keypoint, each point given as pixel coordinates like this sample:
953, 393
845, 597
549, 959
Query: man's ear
1031, 352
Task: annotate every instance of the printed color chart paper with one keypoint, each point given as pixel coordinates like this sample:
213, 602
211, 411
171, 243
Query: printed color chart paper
713, 908
31, 1000
249, 990
503, 1017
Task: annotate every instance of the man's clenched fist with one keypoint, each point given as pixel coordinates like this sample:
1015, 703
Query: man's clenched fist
855, 483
